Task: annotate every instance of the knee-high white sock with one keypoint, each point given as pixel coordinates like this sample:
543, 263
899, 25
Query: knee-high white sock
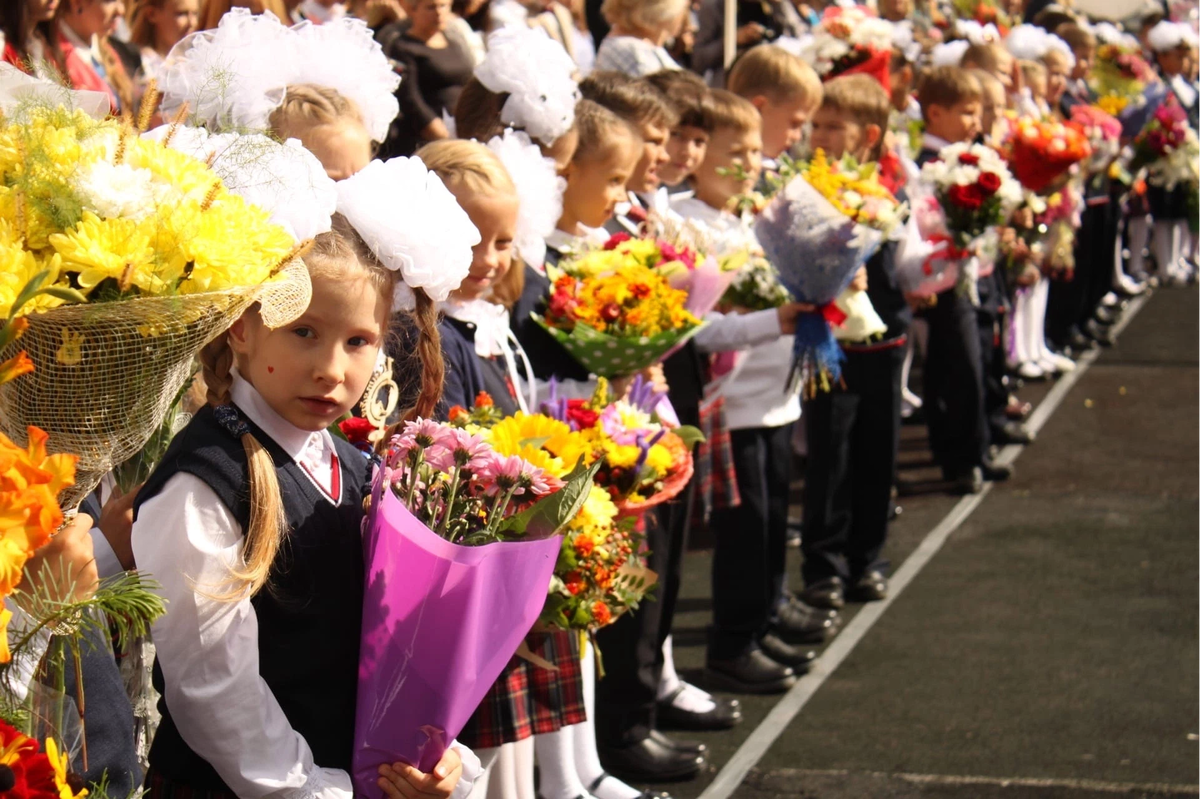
1039, 348
1164, 248
556, 765
691, 698
522, 770
1183, 245
487, 760
587, 758
1018, 352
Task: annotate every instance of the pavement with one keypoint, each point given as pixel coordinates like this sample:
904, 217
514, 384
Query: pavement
1047, 649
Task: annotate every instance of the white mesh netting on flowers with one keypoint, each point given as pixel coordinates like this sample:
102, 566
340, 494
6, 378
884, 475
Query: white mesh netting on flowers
106, 373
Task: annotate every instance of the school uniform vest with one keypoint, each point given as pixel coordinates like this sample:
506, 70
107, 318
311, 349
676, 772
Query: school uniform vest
310, 613
468, 373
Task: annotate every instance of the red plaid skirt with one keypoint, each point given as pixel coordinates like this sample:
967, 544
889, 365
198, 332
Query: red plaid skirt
715, 476
529, 700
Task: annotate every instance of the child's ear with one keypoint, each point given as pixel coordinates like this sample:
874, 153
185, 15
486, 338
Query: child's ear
759, 101
237, 336
872, 134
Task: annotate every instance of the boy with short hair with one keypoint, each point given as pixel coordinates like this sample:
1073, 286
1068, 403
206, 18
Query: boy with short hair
644, 107
951, 102
783, 88
689, 138
853, 431
751, 643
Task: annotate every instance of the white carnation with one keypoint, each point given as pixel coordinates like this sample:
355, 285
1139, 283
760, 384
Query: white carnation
120, 190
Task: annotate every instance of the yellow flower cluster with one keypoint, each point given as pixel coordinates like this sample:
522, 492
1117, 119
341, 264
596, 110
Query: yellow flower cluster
1112, 104
854, 190
114, 215
623, 300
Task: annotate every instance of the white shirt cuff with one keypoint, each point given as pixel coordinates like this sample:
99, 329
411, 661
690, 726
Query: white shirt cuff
472, 770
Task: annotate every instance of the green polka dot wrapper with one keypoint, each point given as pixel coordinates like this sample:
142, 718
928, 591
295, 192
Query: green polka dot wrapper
610, 356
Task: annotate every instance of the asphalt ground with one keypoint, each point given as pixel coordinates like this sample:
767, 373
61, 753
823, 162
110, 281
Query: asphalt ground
1049, 649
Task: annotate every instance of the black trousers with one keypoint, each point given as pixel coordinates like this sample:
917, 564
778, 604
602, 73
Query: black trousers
954, 385
1072, 302
853, 438
631, 647
750, 555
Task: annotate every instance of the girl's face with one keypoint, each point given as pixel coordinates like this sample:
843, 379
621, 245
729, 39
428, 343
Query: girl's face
316, 369
41, 10
1057, 68
172, 20
95, 17
495, 216
343, 148
1084, 56
596, 185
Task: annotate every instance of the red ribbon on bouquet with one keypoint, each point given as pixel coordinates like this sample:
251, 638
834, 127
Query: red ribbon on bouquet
949, 251
834, 315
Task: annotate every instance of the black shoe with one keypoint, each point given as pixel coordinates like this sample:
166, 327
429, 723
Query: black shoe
1013, 433
996, 472
799, 623
643, 795
687, 747
871, 587
968, 482
752, 673
794, 532
1107, 316
1079, 343
726, 714
1100, 334
797, 657
650, 761
828, 593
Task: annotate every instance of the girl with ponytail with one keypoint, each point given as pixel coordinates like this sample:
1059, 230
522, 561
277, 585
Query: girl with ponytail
252, 521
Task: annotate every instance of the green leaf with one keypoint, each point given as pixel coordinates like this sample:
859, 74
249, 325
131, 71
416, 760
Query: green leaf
690, 435
548, 515
29, 291
536, 441
64, 293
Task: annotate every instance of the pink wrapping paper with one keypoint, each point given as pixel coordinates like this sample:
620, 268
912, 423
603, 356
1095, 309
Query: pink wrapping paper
440, 622
704, 285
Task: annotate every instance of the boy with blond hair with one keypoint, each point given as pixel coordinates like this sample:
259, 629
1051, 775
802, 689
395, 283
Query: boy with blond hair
751, 646
853, 431
783, 88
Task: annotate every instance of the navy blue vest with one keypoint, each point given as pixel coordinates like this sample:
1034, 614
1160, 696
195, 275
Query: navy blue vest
310, 614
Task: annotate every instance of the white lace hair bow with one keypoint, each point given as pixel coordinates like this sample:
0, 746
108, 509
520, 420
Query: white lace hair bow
236, 75
536, 73
1031, 43
284, 179
1169, 35
948, 54
413, 225
539, 191
977, 33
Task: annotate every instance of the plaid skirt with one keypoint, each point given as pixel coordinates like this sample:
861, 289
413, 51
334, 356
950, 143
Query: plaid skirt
716, 478
529, 700
159, 787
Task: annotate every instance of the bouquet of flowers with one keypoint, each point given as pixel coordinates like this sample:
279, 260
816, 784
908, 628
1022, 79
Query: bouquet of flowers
1126, 85
1103, 132
123, 256
756, 287
848, 41
678, 256
477, 532
36, 772
817, 232
1039, 152
1167, 148
599, 574
983, 12
614, 314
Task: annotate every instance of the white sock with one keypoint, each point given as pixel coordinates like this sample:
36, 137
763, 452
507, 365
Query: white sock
556, 765
1019, 350
1181, 239
521, 777
1163, 246
487, 761
587, 758
691, 698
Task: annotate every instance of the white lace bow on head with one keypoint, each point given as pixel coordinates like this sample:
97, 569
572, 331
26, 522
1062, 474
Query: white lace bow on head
537, 74
539, 192
235, 75
413, 225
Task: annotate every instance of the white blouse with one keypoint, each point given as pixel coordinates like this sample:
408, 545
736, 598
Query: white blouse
208, 650
633, 56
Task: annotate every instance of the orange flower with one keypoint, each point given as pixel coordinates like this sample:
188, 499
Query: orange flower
15, 366
457, 413
584, 546
30, 481
601, 613
484, 400
574, 583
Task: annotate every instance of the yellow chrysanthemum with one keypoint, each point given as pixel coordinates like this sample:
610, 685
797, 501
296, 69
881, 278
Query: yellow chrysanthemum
111, 248
597, 514
620, 456
659, 459
17, 267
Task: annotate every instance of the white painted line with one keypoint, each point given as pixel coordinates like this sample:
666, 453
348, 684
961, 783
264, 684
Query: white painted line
754, 747
1098, 786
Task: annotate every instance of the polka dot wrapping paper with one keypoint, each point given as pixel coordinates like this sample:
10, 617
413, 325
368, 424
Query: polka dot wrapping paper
611, 356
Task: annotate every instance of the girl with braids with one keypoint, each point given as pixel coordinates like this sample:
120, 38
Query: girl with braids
252, 522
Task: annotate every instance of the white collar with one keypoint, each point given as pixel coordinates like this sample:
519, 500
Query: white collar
490, 320
934, 142
564, 242
92, 50
297, 443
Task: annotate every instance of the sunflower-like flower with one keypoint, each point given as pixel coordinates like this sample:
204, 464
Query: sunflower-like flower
61, 763
115, 248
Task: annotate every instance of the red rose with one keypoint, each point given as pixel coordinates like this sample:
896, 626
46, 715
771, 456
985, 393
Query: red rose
610, 312
581, 415
989, 182
969, 197
970, 159
616, 240
356, 430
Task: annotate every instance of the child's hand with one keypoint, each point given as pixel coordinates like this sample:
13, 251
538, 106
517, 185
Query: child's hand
65, 567
402, 781
788, 313
860, 280
116, 522
654, 375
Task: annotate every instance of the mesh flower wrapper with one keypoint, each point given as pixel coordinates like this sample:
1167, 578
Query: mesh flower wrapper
435, 637
816, 250
610, 356
107, 372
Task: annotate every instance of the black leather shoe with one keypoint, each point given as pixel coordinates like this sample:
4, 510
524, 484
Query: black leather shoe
726, 714
996, 472
1100, 334
752, 673
649, 761
1013, 433
799, 623
969, 482
871, 587
1080, 343
828, 593
799, 658
643, 795
1107, 316
687, 747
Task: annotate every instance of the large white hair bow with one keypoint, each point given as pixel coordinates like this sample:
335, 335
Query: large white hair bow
536, 72
413, 225
236, 75
539, 190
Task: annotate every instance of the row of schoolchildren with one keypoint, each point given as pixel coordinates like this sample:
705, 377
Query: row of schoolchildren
258, 689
